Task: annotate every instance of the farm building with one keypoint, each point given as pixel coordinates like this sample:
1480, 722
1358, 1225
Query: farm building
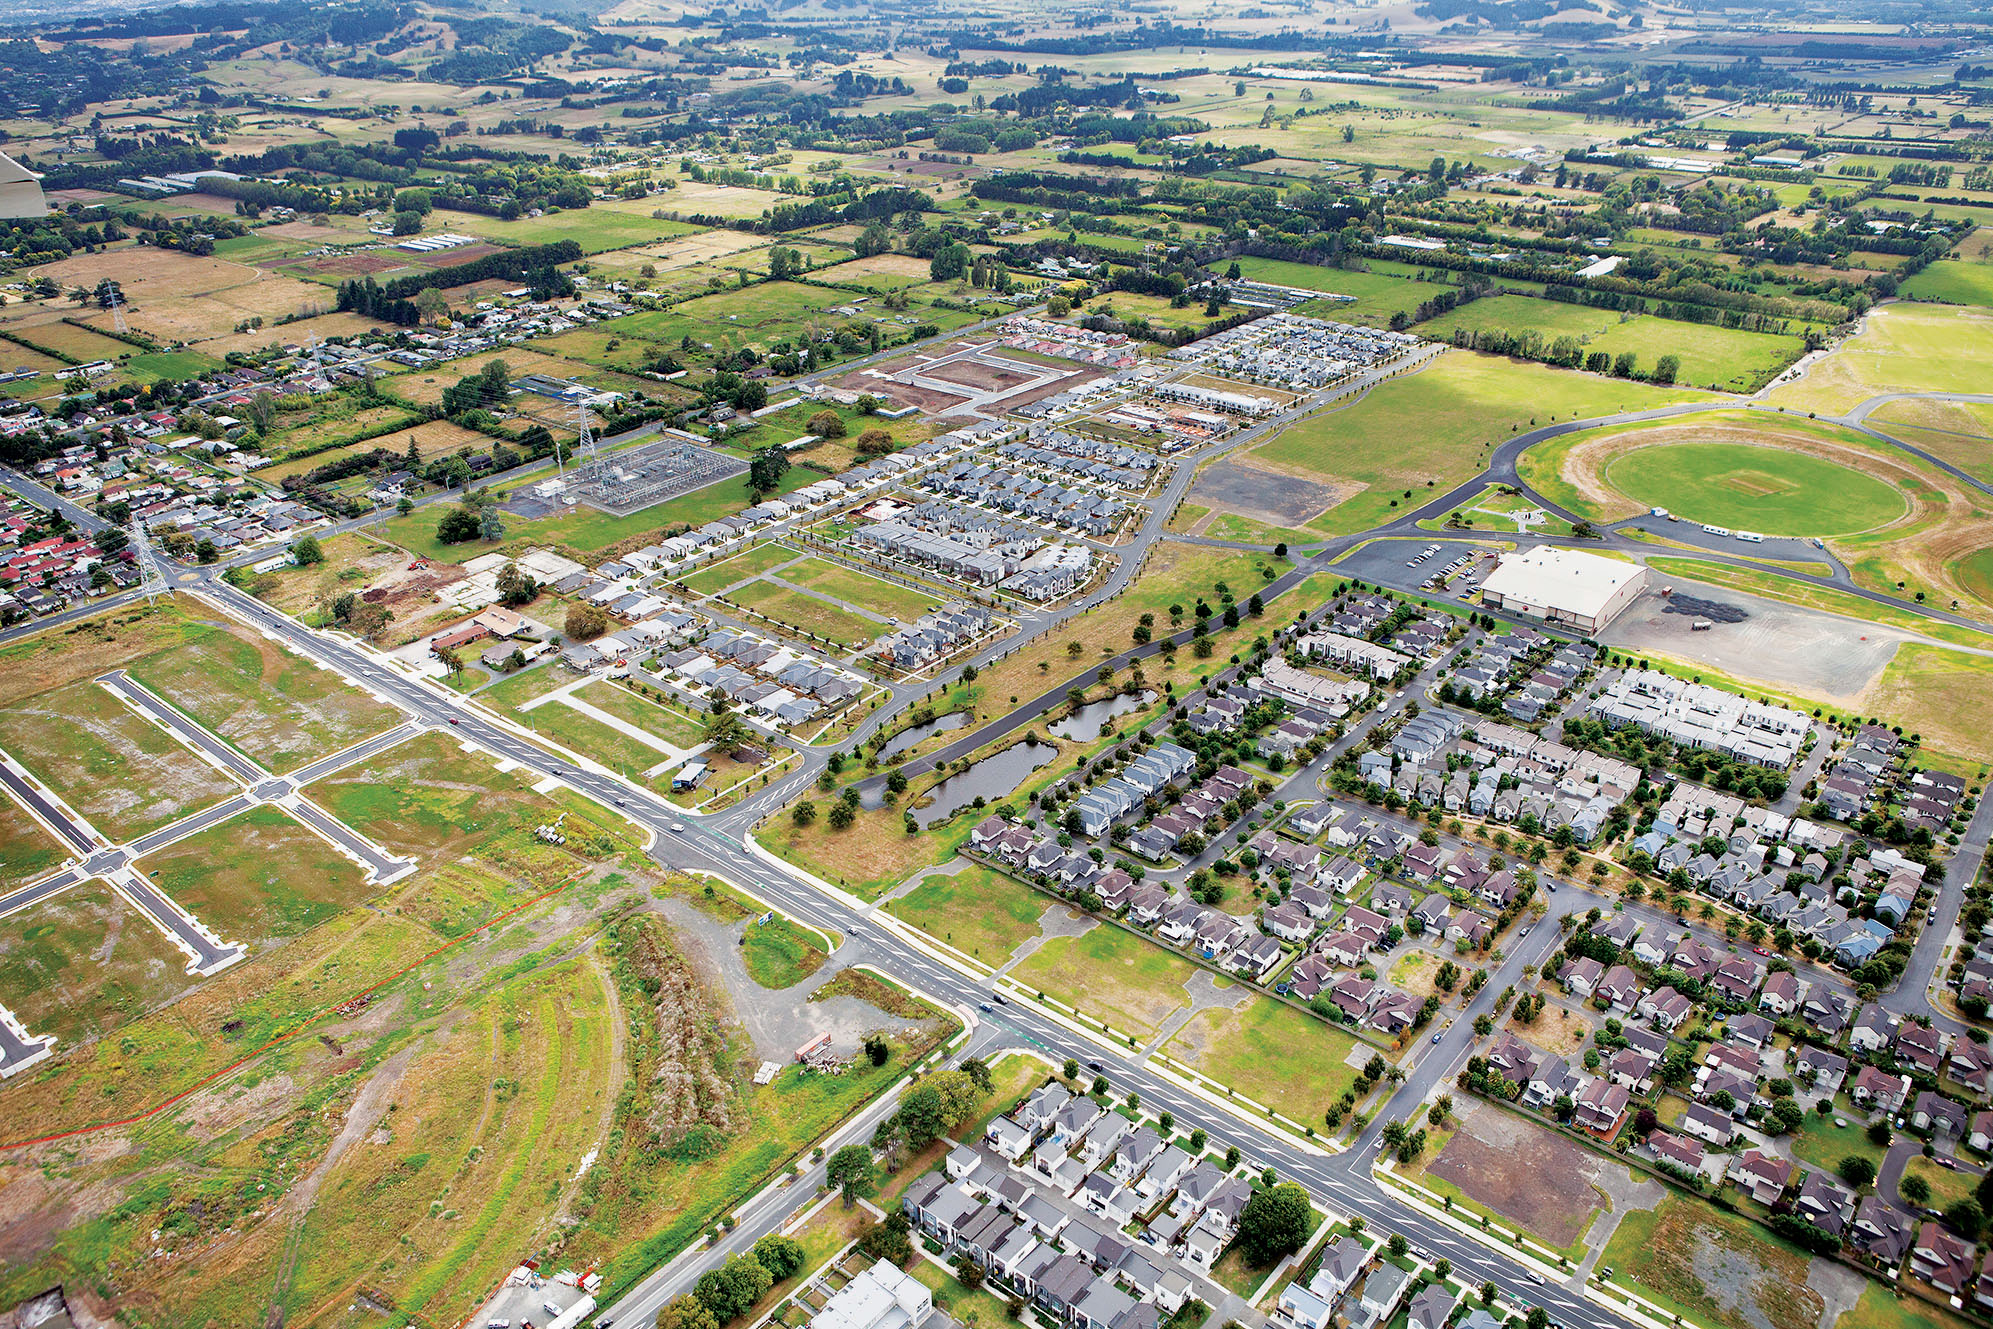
1564, 586
20, 190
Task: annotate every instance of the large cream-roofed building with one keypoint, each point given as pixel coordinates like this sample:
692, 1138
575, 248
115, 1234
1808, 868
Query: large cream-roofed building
1564, 586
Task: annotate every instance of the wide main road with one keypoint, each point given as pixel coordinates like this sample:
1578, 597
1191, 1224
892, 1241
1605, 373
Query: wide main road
1341, 1182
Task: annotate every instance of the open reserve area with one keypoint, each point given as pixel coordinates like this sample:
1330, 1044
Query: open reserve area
1060, 667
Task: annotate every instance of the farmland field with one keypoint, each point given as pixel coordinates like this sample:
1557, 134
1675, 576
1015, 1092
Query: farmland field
1953, 281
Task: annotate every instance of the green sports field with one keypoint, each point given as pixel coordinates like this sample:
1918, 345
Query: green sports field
1748, 488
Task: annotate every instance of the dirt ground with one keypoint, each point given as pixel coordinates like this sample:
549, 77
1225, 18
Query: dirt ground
1264, 496
1783, 646
977, 374
1549, 1185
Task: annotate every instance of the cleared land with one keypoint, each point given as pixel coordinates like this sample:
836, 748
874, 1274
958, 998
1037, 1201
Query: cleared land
1711, 1266
27, 851
858, 588
1419, 435
1271, 1053
1521, 1174
85, 962
277, 707
1110, 975
258, 878
123, 773
978, 911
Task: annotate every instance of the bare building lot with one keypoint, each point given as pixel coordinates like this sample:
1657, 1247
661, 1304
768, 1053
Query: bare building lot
1817, 654
1265, 496
1549, 1186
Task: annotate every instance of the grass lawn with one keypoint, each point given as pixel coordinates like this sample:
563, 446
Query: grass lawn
976, 910
171, 366
680, 731
1111, 975
1901, 348
1763, 489
779, 954
257, 877
956, 1301
1238, 1275
567, 726
1271, 1053
859, 588
1441, 424
594, 229
806, 613
744, 566
275, 706
1880, 1308
1953, 281
122, 772
1663, 1252
1947, 1187
84, 962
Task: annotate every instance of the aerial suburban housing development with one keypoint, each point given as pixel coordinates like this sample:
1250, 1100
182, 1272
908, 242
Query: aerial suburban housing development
859, 666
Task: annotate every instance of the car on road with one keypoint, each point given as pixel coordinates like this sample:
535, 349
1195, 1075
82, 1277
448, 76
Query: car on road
1534, 1277
984, 1006
453, 719
678, 828
1438, 1036
1096, 1067
1759, 950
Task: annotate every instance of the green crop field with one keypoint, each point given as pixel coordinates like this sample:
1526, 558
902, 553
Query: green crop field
1953, 281
594, 229
1760, 489
1430, 431
1378, 295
